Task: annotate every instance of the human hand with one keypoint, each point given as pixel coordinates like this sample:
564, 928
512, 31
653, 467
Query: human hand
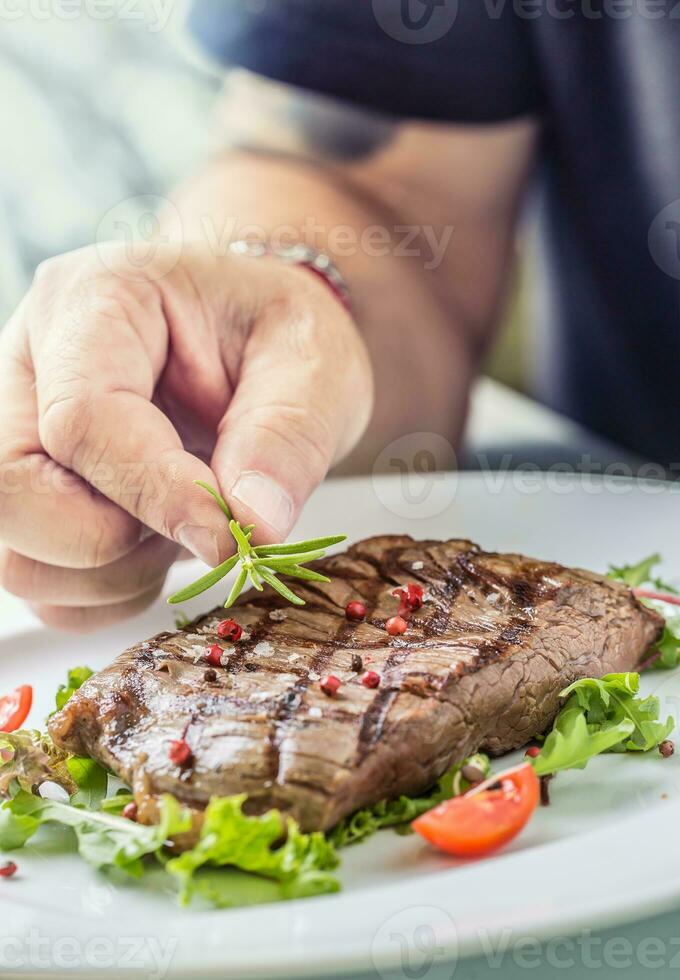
122, 383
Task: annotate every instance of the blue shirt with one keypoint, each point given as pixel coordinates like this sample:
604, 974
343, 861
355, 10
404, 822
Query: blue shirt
604, 77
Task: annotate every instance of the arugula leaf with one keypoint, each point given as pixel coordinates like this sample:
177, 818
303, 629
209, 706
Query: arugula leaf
660, 585
270, 845
613, 698
396, 813
76, 677
635, 575
601, 715
668, 646
91, 781
104, 840
641, 574
572, 743
117, 803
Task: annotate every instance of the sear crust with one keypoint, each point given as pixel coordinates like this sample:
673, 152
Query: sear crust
480, 668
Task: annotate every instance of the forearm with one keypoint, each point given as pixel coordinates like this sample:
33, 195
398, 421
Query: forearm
423, 359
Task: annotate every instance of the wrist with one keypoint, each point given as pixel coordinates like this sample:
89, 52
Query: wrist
318, 263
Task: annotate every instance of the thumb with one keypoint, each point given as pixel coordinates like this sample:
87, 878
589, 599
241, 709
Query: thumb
303, 399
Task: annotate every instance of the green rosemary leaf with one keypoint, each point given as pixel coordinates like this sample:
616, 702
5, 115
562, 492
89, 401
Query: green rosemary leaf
295, 571
236, 588
260, 563
222, 503
205, 582
297, 547
240, 538
282, 589
275, 561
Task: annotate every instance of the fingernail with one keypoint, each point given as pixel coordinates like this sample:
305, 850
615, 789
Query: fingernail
201, 542
269, 501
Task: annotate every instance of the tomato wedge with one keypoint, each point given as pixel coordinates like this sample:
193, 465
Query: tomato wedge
14, 708
484, 818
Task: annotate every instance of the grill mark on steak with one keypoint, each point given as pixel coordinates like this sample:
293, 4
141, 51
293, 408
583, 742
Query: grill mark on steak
296, 696
375, 718
479, 668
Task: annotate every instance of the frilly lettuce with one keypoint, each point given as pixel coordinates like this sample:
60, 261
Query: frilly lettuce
270, 845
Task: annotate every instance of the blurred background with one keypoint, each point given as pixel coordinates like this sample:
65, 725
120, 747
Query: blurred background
96, 109
103, 105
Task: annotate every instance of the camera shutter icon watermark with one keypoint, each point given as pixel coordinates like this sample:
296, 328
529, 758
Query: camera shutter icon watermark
424, 479
415, 21
151, 249
418, 943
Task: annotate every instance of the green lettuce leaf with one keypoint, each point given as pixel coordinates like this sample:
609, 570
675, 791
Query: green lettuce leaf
104, 840
270, 845
601, 715
75, 679
405, 809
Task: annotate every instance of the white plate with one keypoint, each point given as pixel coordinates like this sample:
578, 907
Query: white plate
402, 906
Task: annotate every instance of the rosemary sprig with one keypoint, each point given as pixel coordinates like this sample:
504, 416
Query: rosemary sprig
261, 564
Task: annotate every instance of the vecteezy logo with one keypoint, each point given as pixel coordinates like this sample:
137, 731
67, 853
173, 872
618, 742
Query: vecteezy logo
415, 476
151, 250
418, 943
415, 21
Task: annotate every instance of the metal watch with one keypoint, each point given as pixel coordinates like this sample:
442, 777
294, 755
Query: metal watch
298, 254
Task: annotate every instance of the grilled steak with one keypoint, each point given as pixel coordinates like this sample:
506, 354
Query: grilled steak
480, 667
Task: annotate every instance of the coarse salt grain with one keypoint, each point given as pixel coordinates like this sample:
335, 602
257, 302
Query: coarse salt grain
264, 649
417, 565
224, 659
313, 676
277, 615
199, 652
493, 598
315, 713
293, 657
